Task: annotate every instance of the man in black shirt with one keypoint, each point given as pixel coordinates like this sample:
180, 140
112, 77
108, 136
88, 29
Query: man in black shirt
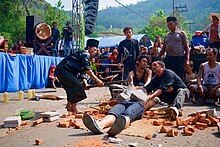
128, 51
55, 35
168, 87
68, 38
73, 67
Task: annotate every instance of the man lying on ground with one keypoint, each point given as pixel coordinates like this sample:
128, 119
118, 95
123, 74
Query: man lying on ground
168, 88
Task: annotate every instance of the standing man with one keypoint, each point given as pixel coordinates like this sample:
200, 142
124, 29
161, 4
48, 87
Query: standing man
68, 38
176, 48
73, 67
166, 86
55, 35
128, 51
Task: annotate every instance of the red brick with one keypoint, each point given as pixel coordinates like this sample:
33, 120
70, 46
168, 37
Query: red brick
148, 137
24, 123
39, 141
63, 116
201, 126
168, 123
188, 133
178, 122
187, 120
206, 121
176, 132
157, 122
77, 126
170, 133
91, 111
203, 115
72, 122
64, 124
163, 129
40, 120
195, 119
190, 128
112, 103
79, 116
213, 120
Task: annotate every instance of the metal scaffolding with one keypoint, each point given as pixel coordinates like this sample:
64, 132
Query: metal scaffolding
77, 10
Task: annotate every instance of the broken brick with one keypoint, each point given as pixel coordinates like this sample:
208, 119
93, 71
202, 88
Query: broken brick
103, 104
213, 120
18, 128
63, 116
176, 132
201, 126
40, 120
39, 141
190, 128
178, 122
148, 137
163, 129
203, 115
64, 124
187, 120
195, 119
91, 111
112, 103
188, 133
24, 123
72, 122
157, 122
206, 121
79, 116
170, 133
77, 126
168, 123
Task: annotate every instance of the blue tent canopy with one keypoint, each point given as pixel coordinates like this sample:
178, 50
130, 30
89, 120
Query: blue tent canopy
111, 41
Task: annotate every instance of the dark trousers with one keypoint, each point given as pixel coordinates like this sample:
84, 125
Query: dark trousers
175, 63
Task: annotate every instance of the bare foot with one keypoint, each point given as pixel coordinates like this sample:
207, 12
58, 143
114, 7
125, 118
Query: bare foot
74, 109
69, 106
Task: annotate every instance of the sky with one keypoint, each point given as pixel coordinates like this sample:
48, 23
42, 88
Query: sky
102, 3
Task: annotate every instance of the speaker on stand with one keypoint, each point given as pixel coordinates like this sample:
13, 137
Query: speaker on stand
90, 15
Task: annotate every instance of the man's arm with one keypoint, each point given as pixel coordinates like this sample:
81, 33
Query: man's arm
200, 73
95, 78
149, 77
155, 94
162, 51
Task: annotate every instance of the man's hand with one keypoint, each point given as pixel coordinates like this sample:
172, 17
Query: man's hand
100, 83
201, 91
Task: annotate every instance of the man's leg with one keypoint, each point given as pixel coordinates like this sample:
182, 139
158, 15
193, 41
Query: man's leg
182, 94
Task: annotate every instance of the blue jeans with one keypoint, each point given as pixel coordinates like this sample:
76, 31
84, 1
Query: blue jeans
132, 109
67, 48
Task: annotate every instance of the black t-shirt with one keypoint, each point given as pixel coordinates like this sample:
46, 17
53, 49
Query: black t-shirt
166, 80
76, 63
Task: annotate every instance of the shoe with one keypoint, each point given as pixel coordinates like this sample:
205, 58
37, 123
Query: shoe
118, 126
91, 124
172, 112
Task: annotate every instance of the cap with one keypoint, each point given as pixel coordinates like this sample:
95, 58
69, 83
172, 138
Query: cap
171, 18
92, 43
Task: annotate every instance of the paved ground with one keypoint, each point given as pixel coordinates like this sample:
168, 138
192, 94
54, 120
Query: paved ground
55, 136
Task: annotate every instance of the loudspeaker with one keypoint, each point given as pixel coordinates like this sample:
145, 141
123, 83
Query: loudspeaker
31, 22
90, 15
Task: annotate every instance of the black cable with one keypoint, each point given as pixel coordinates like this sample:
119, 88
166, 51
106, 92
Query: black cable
131, 10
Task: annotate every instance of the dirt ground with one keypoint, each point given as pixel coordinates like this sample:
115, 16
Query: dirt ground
54, 136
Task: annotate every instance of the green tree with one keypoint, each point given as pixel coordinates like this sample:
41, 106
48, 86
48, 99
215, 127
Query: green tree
156, 25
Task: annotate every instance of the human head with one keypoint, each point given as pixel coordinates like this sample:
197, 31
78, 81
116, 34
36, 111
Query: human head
107, 49
171, 23
19, 41
188, 66
215, 17
128, 31
92, 46
158, 39
211, 54
157, 66
68, 23
54, 24
107, 69
92, 60
142, 61
145, 50
141, 48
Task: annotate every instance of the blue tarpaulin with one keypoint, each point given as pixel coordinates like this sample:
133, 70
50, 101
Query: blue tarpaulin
112, 41
23, 72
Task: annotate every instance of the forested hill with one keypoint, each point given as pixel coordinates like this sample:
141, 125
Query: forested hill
197, 11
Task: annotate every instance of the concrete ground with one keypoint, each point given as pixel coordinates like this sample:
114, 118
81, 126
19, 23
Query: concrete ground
54, 136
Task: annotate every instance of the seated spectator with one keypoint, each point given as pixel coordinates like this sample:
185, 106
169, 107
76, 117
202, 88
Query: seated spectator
190, 77
107, 76
168, 87
210, 73
94, 69
52, 76
17, 48
113, 57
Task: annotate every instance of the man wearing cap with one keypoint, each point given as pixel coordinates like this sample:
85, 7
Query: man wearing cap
73, 67
176, 48
214, 31
55, 35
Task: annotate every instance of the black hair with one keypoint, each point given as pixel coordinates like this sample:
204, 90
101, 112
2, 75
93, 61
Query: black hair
141, 57
160, 63
127, 28
212, 50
